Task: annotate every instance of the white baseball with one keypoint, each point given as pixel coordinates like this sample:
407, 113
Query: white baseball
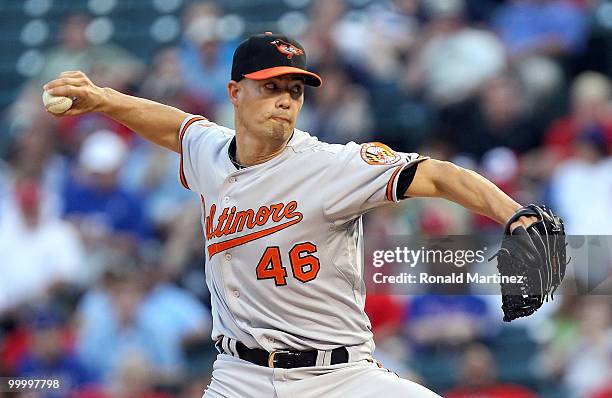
56, 104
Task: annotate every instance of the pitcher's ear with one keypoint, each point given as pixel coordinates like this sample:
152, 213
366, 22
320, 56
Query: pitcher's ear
233, 88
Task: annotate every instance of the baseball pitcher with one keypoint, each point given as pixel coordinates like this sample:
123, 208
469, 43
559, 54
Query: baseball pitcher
281, 212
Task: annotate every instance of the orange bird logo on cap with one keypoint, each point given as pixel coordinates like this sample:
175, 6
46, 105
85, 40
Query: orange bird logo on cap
287, 48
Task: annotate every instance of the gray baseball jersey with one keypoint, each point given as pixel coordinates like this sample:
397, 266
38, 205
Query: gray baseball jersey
283, 237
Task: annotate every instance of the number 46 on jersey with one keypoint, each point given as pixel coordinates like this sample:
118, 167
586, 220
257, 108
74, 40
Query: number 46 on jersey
304, 265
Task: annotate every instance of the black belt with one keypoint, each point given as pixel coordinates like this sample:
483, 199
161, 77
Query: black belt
287, 359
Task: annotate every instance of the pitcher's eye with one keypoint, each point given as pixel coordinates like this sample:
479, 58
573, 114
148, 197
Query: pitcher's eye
270, 86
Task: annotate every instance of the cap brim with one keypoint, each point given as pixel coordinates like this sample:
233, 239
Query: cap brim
310, 78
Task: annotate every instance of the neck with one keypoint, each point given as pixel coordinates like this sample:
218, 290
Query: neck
253, 150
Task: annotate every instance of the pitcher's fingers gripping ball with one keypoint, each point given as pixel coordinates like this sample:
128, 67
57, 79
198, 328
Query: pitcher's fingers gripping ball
56, 105
71, 94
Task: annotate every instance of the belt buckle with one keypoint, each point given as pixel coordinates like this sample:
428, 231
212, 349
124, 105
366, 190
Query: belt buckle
272, 357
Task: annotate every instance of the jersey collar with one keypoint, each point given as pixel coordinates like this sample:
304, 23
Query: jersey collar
231, 151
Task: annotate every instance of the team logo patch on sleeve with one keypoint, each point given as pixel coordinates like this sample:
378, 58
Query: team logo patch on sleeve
378, 153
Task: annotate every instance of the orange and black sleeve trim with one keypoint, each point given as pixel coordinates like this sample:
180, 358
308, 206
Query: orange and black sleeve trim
391, 182
404, 180
181, 136
404, 176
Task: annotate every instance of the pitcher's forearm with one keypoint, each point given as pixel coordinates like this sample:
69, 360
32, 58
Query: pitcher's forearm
153, 121
491, 200
474, 192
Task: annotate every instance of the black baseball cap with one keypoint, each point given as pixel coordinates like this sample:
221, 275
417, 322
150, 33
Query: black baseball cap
268, 55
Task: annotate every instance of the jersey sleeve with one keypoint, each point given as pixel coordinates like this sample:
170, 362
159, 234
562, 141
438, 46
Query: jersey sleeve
194, 133
364, 177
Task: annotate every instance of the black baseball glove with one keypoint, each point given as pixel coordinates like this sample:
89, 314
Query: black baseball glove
535, 256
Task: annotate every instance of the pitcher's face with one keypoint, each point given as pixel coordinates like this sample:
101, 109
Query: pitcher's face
268, 108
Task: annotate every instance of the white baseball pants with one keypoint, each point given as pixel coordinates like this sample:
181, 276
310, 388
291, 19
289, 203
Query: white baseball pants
236, 378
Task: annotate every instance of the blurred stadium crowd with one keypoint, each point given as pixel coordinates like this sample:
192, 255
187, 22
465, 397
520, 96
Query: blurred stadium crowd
101, 266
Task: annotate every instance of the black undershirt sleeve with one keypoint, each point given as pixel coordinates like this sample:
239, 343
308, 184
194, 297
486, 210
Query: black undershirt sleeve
404, 180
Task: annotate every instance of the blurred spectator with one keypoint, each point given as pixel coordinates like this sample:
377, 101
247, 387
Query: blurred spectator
339, 113
589, 171
205, 59
436, 217
385, 313
108, 326
95, 201
166, 83
132, 314
379, 39
150, 172
183, 248
164, 79
454, 59
563, 330
105, 63
538, 34
501, 166
135, 378
430, 316
37, 252
71, 132
588, 364
587, 124
546, 27
185, 322
543, 84
50, 353
324, 16
33, 153
590, 116
496, 117
477, 377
